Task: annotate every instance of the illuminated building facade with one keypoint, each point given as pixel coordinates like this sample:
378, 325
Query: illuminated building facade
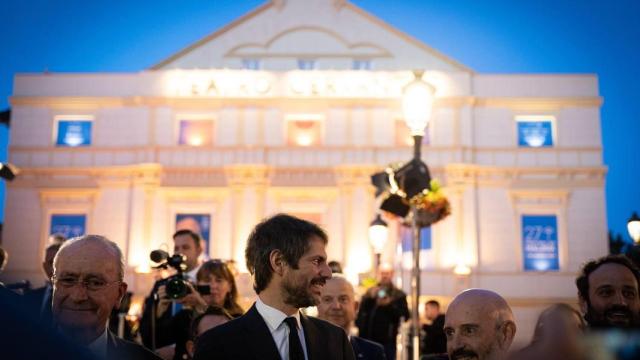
284, 112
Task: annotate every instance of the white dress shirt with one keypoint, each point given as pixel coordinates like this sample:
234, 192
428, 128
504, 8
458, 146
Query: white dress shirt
191, 275
99, 346
279, 329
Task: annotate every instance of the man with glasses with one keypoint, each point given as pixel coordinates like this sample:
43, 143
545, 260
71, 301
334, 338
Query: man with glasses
87, 285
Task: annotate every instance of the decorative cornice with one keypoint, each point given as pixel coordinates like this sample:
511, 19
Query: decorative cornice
213, 102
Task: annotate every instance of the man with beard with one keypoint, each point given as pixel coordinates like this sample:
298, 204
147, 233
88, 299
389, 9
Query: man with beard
87, 285
288, 261
381, 311
608, 293
479, 325
338, 306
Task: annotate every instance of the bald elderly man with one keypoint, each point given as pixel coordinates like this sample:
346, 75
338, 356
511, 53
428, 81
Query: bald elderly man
479, 325
338, 305
88, 283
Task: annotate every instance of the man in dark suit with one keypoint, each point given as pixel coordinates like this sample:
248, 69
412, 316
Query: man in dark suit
339, 306
287, 258
381, 311
434, 340
87, 285
39, 300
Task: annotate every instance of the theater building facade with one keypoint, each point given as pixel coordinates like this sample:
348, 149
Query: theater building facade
291, 108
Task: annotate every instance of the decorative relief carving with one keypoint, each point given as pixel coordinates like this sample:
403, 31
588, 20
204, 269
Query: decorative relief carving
303, 177
247, 175
540, 177
355, 175
60, 197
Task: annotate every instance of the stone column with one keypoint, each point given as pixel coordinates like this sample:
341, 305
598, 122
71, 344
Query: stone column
248, 184
357, 202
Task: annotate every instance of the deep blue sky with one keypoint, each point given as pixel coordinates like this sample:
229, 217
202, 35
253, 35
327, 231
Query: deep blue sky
537, 36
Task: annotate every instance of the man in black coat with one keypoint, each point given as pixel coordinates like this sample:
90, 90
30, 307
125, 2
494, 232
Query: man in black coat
339, 306
434, 341
381, 310
287, 258
87, 285
39, 300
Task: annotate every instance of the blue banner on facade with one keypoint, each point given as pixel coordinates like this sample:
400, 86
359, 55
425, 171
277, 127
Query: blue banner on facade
69, 225
535, 133
425, 239
74, 133
198, 223
540, 243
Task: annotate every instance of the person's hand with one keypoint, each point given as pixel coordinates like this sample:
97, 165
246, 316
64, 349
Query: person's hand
383, 301
373, 291
193, 299
163, 301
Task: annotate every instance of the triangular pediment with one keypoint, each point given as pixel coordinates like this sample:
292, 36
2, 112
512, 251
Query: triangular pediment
333, 33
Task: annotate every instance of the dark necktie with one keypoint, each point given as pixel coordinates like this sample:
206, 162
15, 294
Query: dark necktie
295, 347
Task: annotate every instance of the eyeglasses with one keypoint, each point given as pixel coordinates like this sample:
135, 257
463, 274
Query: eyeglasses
91, 284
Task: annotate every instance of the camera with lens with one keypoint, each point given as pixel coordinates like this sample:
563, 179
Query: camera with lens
176, 286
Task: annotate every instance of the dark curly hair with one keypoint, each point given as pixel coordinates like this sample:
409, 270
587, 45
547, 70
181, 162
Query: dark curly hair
288, 234
582, 281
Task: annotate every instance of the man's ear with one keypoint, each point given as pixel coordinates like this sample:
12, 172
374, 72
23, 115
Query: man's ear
506, 334
190, 347
122, 290
584, 306
356, 305
277, 262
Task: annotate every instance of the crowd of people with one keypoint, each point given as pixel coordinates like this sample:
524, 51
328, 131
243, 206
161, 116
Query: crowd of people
70, 316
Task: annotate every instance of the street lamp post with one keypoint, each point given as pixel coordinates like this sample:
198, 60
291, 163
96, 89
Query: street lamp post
378, 232
633, 226
417, 102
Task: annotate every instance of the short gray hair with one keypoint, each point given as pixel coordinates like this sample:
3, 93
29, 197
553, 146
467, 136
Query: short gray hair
109, 245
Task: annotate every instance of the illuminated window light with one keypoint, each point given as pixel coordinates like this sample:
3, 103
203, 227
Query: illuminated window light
535, 131
462, 269
303, 132
195, 132
74, 133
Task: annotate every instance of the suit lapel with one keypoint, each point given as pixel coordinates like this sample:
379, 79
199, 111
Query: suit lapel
259, 340
355, 344
113, 347
311, 338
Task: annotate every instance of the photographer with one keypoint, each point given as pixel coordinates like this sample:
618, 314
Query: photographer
186, 243
381, 309
216, 287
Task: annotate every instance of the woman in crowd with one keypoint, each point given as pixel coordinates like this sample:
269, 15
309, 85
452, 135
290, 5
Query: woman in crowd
222, 292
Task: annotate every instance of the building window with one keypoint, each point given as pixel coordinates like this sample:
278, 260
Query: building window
540, 243
72, 131
306, 64
360, 64
195, 132
69, 225
403, 135
198, 223
251, 64
535, 131
304, 131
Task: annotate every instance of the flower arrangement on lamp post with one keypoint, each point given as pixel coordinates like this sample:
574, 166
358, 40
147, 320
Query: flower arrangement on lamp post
433, 206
